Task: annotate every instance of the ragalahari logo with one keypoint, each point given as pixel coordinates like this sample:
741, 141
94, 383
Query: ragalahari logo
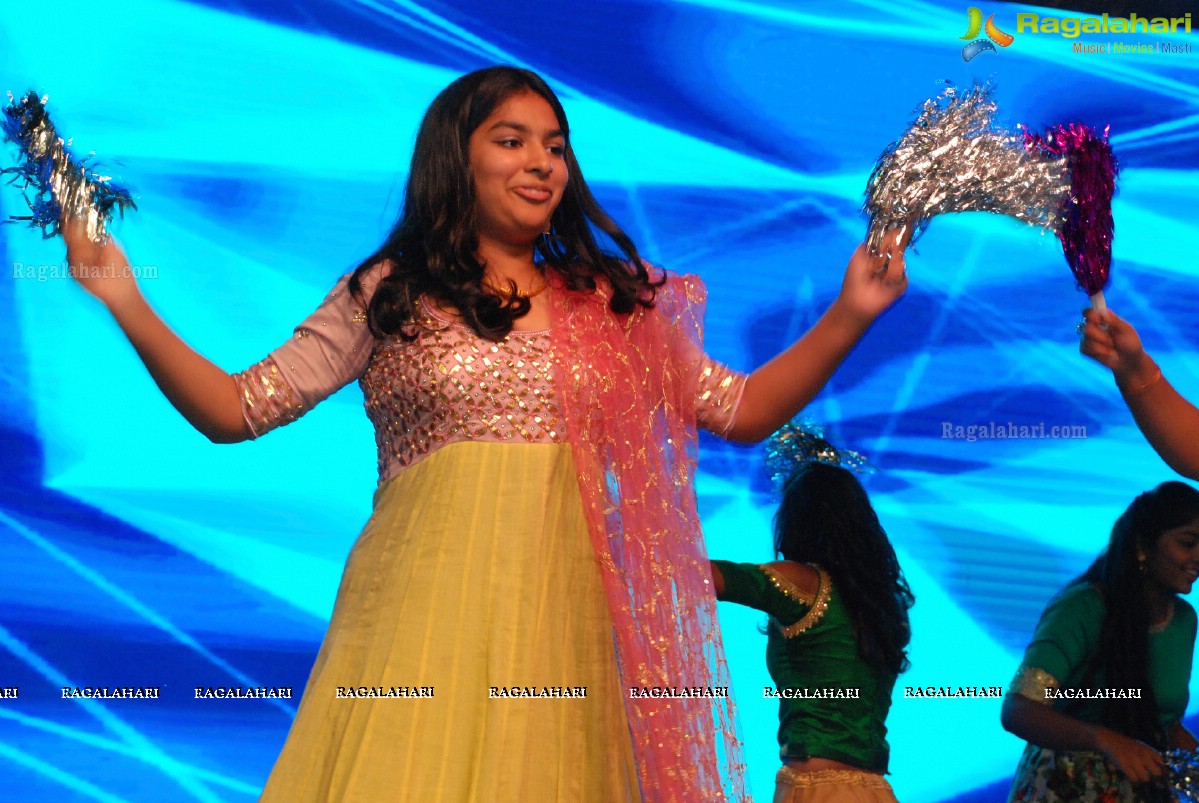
974, 26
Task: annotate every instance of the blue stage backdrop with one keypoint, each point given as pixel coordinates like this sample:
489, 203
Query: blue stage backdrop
268, 141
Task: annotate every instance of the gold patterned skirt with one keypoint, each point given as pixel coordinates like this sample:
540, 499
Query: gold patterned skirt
469, 616
831, 786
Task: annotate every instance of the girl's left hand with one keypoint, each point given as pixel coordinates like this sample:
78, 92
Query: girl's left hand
873, 283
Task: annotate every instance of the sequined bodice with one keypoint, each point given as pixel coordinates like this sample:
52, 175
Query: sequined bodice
445, 385
451, 385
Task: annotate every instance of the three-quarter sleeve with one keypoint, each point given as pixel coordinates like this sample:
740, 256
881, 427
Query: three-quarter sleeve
717, 396
327, 351
1065, 638
717, 389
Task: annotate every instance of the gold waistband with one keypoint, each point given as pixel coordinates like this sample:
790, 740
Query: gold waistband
803, 780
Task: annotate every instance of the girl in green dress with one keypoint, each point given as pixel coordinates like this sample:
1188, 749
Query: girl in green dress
837, 638
1103, 685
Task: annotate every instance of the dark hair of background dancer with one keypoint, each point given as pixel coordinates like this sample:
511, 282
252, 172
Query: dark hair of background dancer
433, 245
826, 518
1123, 655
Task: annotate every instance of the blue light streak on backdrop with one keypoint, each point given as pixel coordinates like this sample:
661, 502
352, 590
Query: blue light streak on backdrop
268, 143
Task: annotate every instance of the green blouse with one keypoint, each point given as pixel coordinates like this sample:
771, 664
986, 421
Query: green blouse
832, 704
1064, 646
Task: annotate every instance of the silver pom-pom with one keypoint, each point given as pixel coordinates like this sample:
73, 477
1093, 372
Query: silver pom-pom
62, 188
800, 442
953, 159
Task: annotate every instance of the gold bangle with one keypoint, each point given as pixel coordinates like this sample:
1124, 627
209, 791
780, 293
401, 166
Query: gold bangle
1138, 390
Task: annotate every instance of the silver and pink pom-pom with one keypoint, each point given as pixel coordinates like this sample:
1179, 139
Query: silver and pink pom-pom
953, 158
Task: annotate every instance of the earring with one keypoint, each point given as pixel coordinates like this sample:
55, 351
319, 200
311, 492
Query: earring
1141, 564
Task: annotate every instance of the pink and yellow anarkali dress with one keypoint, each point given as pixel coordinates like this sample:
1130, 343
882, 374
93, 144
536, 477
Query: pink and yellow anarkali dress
477, 569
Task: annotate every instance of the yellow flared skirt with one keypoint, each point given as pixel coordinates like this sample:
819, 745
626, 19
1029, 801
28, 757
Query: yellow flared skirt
474, 582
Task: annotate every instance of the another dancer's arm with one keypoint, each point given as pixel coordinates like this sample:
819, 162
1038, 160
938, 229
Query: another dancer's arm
778, 390
1169, 422
1041, 725
203, 393
761, 586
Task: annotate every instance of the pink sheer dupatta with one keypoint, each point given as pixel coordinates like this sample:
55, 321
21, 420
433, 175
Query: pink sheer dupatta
626, 388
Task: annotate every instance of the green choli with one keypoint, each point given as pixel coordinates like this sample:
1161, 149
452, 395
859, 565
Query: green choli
812, 653
1064, 645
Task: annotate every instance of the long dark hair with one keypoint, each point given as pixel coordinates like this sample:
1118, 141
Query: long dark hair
432, 247
826, 518
1123, 654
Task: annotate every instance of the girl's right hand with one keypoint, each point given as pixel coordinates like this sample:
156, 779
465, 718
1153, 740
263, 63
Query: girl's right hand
872, 282
102, 270
1137, 760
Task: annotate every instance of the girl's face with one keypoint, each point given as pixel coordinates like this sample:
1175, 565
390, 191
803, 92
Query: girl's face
519, 170
1172, 564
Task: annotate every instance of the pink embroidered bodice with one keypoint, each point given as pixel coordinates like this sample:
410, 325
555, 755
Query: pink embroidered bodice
445, 386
